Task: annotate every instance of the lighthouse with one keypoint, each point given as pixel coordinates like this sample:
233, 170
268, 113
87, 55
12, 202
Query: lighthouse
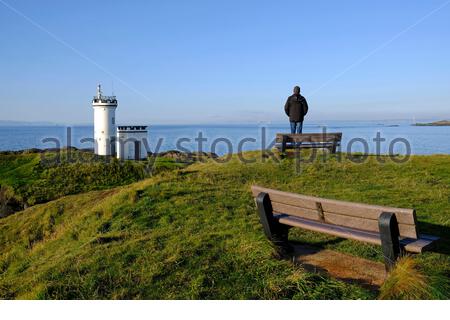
104, 123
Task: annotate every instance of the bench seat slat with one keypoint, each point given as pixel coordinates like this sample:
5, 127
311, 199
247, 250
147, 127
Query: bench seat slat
352, 222
310, 134
309, 145
338, 231
340, 220
422, 244
317, 139
309, 137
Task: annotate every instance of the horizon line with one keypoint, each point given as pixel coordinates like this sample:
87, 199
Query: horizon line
6, 123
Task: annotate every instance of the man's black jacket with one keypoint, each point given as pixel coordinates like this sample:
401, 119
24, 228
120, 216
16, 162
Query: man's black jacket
296, 108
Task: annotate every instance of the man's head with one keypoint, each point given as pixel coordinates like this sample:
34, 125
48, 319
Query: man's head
297, 90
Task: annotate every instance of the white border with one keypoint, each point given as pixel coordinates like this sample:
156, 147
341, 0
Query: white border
226, 310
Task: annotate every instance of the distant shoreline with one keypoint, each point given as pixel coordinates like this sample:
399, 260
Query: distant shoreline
441, 123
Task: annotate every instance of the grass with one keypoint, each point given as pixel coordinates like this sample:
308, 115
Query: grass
18, 170
31, 178
408, 281
194, 233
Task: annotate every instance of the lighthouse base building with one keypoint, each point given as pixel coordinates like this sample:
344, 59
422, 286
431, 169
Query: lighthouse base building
132, 142
128, 143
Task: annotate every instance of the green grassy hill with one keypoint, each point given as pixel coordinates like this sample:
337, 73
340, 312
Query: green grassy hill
194, 233
37, 177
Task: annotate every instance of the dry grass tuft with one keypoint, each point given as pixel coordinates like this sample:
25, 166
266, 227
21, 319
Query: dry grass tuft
407, 282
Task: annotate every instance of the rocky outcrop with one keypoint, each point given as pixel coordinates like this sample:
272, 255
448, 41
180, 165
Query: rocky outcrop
186, 156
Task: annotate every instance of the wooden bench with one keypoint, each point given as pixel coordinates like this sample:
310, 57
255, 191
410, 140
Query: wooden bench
395, 229
327, 140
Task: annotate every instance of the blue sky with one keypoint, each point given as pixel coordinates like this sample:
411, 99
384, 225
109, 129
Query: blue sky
228, 61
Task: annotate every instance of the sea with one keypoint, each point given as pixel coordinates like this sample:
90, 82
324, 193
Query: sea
384, 137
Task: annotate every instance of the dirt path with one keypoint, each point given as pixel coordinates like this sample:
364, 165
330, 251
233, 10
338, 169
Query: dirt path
341, 266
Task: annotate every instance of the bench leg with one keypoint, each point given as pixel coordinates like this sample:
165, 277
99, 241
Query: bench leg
333, 149
283, 144
274, 231
390, 243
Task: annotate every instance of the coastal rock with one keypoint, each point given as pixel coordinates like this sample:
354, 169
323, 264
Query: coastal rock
186, 156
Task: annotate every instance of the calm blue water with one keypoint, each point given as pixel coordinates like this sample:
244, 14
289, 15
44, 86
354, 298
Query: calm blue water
422, 140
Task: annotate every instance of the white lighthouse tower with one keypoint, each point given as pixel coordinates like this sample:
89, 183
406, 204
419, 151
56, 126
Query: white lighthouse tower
104, 123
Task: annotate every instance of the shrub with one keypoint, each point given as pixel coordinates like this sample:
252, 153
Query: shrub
408, 281
9, 201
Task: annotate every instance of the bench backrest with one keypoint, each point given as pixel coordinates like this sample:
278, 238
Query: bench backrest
342, 213
310, 137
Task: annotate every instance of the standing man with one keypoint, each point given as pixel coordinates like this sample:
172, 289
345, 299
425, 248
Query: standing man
296, 108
